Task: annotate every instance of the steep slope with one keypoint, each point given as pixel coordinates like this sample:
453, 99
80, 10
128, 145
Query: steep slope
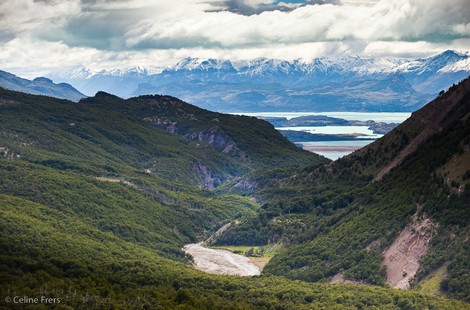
250, 139
112, 144
96, 204
337, 224
39, 86
378, 158
113, 170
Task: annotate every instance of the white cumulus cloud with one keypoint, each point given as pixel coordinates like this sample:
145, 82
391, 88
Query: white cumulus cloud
46, 34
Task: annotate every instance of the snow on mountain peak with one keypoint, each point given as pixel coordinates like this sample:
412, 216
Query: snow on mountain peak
76, 72
187, 63
461, 65
448, 61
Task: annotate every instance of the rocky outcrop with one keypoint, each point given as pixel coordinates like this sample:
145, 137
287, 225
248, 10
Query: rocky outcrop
373, 245
209, 179
8, 154
246, 184
216, 137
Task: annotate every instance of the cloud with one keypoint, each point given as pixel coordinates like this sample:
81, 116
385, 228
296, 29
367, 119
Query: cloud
23, 17
433, 21
413, 49
255, 7
49, 34
136, 24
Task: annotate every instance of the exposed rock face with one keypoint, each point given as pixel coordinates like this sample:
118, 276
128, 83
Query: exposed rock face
402, 257
162, 122
216, 137
373, 245
246, 184
210, 181
8, 154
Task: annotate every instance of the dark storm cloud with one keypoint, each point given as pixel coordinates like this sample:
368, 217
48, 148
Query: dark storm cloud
244, 8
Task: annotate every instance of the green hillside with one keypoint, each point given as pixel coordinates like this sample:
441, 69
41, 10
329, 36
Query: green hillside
97, 199
335, 220
100, 160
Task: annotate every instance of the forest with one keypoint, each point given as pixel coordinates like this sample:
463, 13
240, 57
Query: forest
98, 198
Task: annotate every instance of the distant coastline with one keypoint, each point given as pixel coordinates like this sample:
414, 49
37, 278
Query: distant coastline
320, 132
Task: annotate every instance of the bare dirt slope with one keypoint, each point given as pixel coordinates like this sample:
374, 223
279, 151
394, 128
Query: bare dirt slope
402, 257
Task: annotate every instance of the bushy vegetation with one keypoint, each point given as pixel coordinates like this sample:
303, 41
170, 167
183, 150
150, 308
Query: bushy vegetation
334, 220
48, 253
96, 203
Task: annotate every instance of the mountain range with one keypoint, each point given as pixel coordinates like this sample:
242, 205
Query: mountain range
39, 86
97, 199
322, 84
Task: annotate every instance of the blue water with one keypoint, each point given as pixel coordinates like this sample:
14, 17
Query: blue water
364, 131
386, 117
327, 148
358, 143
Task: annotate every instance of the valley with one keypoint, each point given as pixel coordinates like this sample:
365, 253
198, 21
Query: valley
234, 155
99, 198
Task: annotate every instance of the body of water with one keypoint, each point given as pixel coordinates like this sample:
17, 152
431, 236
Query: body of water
336, 149
362, 131
386, 117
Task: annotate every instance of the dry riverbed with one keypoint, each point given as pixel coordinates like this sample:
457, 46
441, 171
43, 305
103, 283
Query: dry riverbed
220, 261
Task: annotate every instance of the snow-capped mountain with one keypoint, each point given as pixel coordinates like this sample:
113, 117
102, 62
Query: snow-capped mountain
348, 83
461, 65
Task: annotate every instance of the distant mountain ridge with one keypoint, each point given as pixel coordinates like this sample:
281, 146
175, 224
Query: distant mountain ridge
39, 86
322, 84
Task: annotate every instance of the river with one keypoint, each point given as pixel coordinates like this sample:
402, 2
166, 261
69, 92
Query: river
220, 261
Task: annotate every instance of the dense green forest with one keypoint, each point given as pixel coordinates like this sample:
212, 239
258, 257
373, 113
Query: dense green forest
97, 199
328, 216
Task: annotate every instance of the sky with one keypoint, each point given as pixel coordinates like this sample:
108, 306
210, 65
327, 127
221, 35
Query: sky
42, 36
